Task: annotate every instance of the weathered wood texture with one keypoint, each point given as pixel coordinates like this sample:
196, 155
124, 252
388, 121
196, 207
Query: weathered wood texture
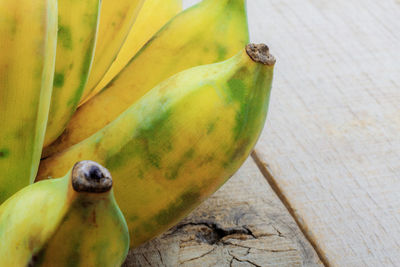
332, 141
242, 224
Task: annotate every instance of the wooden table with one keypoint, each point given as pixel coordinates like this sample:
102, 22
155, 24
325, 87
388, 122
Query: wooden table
323, 185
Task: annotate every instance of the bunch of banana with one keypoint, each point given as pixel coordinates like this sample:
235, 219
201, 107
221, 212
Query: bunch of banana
172, 110
77, 28
70, 221
28, 36
181, 141
209, 32
153, 15
116, 19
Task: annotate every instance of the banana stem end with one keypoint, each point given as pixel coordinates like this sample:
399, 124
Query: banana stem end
90, 177
260, 53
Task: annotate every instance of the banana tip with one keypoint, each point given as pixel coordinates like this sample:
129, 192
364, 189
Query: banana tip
260, 53
89, 176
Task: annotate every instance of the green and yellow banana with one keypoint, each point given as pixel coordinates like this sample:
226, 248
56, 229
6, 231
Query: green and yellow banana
28, 38
209, 32
181, 141
77, 29
70, 221
153, 15
116, 19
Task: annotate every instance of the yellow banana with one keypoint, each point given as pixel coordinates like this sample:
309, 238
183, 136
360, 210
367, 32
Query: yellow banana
70, 221
181, 141
77, 28
116, 19
206, 33
28, 38
153, 15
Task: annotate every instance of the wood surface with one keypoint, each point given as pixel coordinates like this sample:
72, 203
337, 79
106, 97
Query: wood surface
332, 142
242, 224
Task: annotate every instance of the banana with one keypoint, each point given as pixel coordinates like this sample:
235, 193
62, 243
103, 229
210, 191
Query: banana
77, 29
181, 141
153, 15
28, 38
209, 32
116, 19
70, 221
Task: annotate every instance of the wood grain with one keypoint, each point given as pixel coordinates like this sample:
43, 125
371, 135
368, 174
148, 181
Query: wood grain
332, 141
242, 224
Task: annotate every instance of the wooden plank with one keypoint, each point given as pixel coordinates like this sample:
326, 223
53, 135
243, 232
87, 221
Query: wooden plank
242, 224
332, 142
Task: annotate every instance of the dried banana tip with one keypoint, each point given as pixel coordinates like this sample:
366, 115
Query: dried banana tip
89, 176
260, 53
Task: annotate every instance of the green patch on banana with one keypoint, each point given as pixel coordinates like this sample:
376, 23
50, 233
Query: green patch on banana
173, 174
4, 153
149, 138
222, 52
58, 80
179, 207
64, 36
76, 97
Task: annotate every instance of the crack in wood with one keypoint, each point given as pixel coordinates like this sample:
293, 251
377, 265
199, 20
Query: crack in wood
217, 232
263, 249
249, 231
230, 263
276, 229
161, 258
201, 256
239, 260
144, 256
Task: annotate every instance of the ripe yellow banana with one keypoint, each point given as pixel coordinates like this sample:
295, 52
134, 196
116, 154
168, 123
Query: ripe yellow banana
209, 32
70, 221
77, 28
28, 37
116, 19
181, 141
153, 15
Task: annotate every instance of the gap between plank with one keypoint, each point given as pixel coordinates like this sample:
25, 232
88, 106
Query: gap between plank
275, 187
